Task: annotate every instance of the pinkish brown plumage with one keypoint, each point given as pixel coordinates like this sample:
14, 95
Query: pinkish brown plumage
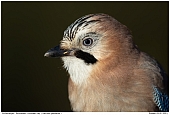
107, 71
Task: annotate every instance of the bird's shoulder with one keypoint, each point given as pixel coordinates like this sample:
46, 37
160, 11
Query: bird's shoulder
159, 79
154, 70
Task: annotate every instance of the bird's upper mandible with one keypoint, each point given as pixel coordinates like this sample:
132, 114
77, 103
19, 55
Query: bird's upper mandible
107, 70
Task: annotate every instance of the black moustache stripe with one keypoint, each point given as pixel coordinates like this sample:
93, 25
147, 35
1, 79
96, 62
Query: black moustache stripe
88, 58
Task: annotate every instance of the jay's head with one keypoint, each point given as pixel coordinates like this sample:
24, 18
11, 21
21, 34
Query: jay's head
90, 42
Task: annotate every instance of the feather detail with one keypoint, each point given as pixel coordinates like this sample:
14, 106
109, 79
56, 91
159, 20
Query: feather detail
161, 100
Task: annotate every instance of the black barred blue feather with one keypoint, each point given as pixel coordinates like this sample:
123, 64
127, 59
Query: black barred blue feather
161, 100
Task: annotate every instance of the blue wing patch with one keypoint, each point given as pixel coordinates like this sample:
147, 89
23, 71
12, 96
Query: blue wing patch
161, 100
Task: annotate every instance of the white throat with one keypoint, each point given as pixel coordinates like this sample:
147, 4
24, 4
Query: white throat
78, 70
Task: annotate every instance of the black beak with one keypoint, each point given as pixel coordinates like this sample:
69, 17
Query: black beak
57, 52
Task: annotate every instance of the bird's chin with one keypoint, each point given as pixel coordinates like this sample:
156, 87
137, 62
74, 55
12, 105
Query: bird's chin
69, 59
79, 71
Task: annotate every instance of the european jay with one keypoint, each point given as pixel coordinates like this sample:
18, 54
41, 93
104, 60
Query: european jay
107, 70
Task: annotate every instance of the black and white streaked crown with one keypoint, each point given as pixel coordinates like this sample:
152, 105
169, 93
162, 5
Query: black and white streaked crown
80, 24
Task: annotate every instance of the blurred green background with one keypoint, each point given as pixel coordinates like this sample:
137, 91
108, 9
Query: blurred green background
31, 82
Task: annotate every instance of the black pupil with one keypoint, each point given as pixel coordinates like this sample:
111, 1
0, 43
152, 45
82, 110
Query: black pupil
87, 41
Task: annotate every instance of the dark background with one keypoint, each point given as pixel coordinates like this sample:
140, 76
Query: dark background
31, 82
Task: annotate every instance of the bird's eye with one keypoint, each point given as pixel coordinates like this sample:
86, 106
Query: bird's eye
88, 42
